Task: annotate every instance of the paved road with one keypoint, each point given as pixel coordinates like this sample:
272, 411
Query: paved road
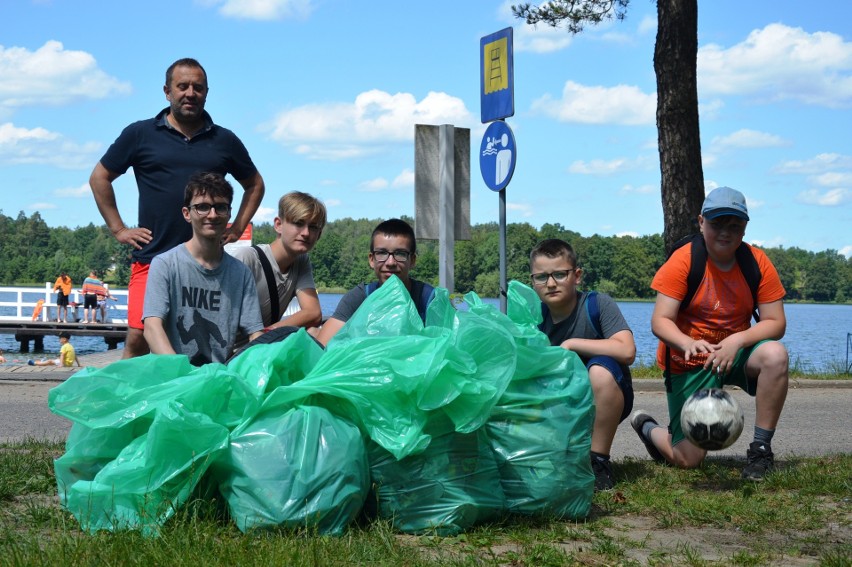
817, 419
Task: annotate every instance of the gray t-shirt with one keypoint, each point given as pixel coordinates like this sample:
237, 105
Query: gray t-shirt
300, 276
202, 310
578, 325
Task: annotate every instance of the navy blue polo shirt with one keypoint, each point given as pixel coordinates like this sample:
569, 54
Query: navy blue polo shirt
163, 160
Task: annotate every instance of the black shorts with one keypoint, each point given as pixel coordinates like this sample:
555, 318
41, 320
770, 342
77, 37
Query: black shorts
90, 301
61, 299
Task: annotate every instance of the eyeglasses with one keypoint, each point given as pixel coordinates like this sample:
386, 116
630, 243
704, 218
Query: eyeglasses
203, 209
558, 276
398, 255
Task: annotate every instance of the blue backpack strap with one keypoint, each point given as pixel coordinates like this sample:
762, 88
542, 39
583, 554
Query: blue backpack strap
593, 312
371, 287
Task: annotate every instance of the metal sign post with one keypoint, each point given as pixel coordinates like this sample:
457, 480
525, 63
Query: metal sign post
497, 154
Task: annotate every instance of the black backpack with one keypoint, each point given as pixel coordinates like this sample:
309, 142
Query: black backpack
698, 265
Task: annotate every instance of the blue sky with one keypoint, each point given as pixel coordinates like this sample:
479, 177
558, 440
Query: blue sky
325, 94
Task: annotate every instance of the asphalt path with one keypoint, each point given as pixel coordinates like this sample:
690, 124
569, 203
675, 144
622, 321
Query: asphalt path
816, 421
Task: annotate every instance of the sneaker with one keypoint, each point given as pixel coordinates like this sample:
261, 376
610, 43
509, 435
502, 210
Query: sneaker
638, 421
603, 474
761, 461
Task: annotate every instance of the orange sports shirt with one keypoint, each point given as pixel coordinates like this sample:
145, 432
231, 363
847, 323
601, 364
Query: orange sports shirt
722, 302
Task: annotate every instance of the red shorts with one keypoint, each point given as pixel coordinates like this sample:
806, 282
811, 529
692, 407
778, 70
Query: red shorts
136, 294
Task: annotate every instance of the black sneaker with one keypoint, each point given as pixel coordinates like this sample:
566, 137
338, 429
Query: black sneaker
761, 461
638, 421
603, 474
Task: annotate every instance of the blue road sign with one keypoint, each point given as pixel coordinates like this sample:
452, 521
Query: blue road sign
497, 155
497, 76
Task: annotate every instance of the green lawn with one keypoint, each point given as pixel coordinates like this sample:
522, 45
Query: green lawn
657, 516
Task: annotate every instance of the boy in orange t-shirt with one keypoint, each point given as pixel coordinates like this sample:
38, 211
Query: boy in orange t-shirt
712, 342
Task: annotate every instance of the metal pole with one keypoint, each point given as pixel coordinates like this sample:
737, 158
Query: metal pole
503, 285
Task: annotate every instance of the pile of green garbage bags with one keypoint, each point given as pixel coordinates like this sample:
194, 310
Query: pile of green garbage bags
435, 428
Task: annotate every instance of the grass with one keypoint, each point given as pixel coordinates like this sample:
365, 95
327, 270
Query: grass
657, 516
834, 370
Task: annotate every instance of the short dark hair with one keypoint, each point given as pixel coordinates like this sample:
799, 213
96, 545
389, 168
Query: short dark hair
207, 183
395, 227
185, 62
65, 335
555, 248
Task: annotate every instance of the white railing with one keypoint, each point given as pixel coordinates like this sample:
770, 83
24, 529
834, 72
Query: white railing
12, 301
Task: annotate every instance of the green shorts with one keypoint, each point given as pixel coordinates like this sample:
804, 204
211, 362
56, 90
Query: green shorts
682, 386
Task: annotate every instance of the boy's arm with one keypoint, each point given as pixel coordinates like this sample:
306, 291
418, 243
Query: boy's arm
772, 325
619, 346
329, 329
309, 314
664, 327
156, 337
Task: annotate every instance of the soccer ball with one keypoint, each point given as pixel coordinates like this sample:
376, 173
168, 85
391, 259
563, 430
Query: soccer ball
711, 419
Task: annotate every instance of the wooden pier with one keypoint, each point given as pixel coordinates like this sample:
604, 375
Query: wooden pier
35, 331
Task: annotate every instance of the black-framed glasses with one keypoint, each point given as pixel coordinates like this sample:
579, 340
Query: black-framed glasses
203, 209
398, 255
558, 276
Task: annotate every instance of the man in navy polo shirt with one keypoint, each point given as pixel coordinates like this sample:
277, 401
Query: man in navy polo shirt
164, 152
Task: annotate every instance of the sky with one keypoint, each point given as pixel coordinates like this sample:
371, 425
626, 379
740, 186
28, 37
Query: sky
325, 95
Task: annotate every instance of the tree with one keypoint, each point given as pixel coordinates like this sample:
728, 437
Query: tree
675, 64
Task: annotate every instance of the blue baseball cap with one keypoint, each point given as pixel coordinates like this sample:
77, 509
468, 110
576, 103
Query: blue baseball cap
723, 201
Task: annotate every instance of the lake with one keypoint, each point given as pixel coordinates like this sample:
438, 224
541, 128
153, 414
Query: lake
816, 334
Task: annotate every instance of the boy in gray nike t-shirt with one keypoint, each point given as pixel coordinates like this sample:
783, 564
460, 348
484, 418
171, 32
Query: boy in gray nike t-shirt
198, 298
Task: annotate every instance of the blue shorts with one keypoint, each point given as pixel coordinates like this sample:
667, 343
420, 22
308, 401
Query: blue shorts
622, 378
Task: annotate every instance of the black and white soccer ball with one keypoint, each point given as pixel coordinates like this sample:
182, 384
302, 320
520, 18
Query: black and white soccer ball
711, 419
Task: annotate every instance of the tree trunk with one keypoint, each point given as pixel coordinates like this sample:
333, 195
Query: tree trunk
679, 141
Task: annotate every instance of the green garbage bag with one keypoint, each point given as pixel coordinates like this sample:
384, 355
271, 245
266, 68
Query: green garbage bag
144, 430
131, 389
264, 367
296, 468
541, 428
387, 372
150, 478
449, 487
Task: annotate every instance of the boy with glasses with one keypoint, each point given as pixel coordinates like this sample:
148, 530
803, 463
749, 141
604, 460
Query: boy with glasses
198, 298
393, 251
710, 341
591, 325
301, 218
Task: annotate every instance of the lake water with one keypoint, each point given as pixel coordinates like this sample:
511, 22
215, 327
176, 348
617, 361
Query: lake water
816, 334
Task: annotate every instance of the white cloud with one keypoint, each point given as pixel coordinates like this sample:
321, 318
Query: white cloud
75, 192
42, 206
647, 25
846, 251
746, 138
262, 9
265, 214
540, 39
779, 62
611, 167
640, 190
622, 104
333, 202
373, 185
404, 179
821, 163
833, 179
347, 130
52, 75
632, 233
829, 198
40, 146
523, 209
